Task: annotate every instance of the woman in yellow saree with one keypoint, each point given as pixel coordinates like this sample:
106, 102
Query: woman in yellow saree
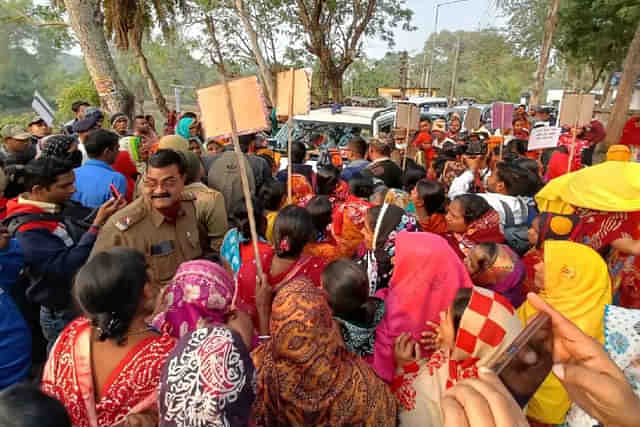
574, 280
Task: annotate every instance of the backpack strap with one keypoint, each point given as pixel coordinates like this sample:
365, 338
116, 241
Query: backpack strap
13, 223
509, 220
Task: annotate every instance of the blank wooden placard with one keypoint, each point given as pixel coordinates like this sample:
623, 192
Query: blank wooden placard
301, 92
576, 109
248, 107
407, 116
472, 118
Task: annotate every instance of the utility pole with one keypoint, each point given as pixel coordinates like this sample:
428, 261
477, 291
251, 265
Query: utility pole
177, 91
454, 79
428, 77
404, 72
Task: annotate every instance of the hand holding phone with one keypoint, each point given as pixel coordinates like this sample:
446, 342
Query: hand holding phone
114, 191
528, 360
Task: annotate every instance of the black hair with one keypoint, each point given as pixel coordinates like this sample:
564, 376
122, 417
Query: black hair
491, 249
239, 217
271, 194
25, 405
411, 177
347, 289
381, 147
433, 195
44, 171
518, 181
165, 158
358, 145
294, 225
140, 116
361, 185
518, 146
77, 104
529, 164
99, 140
245, 142
473, 206
298, 152
189, 114
327, 179
109, 289
320, 209
459, 305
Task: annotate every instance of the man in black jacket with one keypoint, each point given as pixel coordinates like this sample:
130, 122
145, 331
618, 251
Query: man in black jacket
381, 166
54, 247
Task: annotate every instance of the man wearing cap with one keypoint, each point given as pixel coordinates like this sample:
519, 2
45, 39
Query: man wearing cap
92, 120
78, 108
15, 140
120, 124
38, 128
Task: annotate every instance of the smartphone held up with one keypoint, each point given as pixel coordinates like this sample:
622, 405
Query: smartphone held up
526, 363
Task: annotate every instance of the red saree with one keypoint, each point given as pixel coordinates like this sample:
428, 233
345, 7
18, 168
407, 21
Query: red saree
306, 266
131, 388
485, 229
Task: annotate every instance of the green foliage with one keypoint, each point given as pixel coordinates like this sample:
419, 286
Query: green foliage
490, 67
15, 119
34, 47
81, 90
597, 33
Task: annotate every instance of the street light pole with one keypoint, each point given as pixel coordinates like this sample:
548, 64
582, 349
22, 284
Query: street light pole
433, 44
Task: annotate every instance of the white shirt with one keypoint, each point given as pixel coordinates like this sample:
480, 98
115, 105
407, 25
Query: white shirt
462, 184
518, 206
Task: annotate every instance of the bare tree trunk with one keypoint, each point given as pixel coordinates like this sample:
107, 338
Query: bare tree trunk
87, 22
267, 77
606, 91
154, 89
618, 116
549, 29
335, 80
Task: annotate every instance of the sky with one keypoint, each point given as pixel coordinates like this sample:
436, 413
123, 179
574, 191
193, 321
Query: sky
466, 15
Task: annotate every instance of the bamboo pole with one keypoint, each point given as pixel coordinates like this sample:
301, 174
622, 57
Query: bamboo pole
406, 149
241, 163
502, 129
572, 147
290, 137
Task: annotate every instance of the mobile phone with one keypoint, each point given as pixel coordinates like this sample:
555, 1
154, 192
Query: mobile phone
528, 360
114, 191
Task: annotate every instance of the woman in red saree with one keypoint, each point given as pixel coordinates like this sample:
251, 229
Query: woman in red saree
471, 220
292, 232
429, 199
106, 365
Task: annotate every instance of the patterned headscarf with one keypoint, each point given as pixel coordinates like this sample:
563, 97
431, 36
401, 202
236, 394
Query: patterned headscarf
198, 296
488, 326
207, 381
57, 146
305, 374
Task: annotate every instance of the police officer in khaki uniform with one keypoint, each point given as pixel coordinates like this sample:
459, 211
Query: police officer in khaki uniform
210, 207
162, 223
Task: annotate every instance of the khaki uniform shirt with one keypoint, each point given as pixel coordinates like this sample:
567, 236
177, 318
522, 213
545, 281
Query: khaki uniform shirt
210, 212
165, 245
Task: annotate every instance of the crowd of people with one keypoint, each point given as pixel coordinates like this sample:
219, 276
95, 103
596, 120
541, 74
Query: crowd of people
383, 292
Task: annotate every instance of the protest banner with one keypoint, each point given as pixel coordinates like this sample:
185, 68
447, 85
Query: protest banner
502, 116
42, 107
296, 84
544, 137
407, 118
576, 109
249, 109
472, 118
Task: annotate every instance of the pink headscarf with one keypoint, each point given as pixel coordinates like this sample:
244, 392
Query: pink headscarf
426, 278
198, 296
